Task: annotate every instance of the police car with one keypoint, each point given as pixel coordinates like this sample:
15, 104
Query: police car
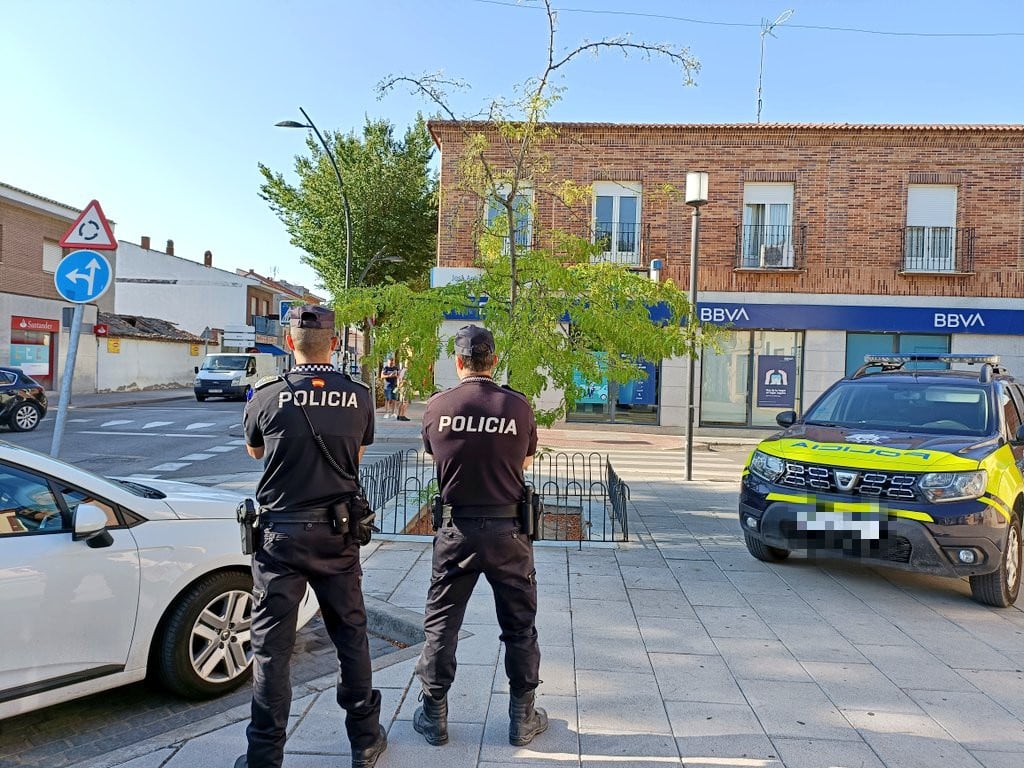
903, 467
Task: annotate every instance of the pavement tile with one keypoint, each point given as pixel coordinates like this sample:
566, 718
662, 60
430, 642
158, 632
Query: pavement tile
620, 702
211, 750
659, 602
913, 667
760, 659
611, 654
589, 586
481, 646
815, 753
796, 710
560, 739
815, 641
684, 677
721, 593
999, 759
554, 627
722, 731
688, 571
467, 698
1006, 687
407, 749
609, 749
608, 618
396, 675
760, 583
557, 671
322, 728
648, 577
152, 760
904, 741
859, 686
730, 621
670, 635
973, 719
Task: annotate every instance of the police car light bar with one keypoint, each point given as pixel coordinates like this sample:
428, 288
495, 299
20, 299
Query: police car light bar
921, 357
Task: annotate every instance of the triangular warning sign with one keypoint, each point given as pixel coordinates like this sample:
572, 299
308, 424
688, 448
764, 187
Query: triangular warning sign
90, 230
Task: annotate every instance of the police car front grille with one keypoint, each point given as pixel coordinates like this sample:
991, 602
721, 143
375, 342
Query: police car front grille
852, 482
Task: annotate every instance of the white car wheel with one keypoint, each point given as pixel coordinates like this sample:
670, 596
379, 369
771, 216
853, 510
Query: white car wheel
206, 646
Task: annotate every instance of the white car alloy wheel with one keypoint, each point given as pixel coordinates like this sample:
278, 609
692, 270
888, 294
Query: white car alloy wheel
221, 645
25, 417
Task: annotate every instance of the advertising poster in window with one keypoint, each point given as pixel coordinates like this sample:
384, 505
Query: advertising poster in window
642, 391
776, 381
592, 393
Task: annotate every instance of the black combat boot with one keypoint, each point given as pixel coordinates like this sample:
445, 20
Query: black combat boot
367, 757
432, 719
525, 720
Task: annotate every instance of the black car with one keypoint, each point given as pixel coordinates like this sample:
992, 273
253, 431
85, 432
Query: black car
22, 400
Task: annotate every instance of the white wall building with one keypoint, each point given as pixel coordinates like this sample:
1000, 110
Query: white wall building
191, 295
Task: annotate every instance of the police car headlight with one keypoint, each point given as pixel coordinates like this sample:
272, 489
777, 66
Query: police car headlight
953, 486
767, 466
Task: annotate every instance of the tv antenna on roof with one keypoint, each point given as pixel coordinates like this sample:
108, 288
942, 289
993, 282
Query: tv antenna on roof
767, 29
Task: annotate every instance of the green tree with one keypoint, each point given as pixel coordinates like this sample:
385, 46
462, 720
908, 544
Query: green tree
392, 194
549, 308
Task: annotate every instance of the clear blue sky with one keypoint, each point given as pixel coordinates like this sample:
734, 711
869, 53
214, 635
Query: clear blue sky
163, 110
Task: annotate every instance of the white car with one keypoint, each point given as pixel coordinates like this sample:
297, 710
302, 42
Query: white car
103, 581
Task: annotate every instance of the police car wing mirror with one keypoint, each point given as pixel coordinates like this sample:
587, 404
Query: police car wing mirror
195, 368
91, 526
786, 419
1018, 439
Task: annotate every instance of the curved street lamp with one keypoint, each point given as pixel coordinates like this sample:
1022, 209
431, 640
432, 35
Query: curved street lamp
310, 125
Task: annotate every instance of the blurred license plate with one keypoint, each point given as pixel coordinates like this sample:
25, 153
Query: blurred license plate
215, 391
865, 527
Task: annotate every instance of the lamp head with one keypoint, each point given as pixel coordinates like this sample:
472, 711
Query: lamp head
291, 124
696, 188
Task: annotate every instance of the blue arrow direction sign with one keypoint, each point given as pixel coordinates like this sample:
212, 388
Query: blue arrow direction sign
82, 276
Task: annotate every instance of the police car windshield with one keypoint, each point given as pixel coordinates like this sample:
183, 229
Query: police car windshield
226, 363
906, 406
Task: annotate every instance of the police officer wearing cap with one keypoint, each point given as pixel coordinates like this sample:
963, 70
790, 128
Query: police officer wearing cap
482, 436
300, 495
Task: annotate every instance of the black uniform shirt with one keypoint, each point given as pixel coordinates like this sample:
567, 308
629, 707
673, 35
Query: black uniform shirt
296, 475
479, 434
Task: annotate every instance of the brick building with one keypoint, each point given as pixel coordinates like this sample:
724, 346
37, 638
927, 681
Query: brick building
819, 243
33, 327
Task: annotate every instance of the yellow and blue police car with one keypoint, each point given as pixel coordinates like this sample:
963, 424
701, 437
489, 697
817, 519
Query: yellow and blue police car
899, 465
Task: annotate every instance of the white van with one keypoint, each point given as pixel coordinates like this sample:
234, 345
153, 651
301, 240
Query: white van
230, 374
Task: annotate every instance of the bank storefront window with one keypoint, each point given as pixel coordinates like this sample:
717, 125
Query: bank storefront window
635, 402
756, 375
860, 344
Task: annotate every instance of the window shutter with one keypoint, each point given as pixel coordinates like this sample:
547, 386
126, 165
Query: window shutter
931, 206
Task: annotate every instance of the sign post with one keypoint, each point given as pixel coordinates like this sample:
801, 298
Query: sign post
81, 277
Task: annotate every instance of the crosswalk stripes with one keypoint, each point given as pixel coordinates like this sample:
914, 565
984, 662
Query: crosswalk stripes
637, 466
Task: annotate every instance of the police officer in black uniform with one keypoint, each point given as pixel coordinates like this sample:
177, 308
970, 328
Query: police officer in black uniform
482, 436
301, 498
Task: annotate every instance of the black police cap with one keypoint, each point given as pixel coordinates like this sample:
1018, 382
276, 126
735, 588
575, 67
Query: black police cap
311, 316
470, 339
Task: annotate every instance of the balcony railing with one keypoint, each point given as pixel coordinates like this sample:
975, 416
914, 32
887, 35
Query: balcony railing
266, 326
621, 242
770, 246
938, 249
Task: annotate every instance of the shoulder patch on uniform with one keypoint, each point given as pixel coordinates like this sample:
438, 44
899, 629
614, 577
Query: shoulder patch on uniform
266, 380
354, 380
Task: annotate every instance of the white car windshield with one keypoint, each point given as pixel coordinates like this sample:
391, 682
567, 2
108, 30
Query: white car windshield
227, 363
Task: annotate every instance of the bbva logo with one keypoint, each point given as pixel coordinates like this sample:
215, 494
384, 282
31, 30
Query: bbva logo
722, 315
958, 320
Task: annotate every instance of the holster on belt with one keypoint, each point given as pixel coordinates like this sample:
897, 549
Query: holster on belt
437, 512
249, 527
530, 510
339, 517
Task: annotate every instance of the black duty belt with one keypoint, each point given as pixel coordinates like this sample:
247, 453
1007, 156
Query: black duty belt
314, 515
491, 510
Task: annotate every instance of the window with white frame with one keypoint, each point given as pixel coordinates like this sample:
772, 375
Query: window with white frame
52, 254
767, 237
616, 218
496, 219
929, 243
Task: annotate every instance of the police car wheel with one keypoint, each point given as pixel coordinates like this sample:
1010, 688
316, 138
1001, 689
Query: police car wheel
1001, 587
201, 398
24, 418
762, 551
205, 648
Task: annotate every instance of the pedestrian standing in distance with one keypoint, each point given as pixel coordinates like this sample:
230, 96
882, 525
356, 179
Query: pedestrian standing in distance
302, 501
389, 375
403, 392
482, 436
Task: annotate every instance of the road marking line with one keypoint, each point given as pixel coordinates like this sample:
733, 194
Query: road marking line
140, 476
193, 435
237, 442
78, 421
197, 457
200, 425
221, 448
156, 424
171, 466
116, 422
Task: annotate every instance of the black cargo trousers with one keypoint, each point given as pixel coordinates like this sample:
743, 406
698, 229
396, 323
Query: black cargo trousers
292, 555
464, 548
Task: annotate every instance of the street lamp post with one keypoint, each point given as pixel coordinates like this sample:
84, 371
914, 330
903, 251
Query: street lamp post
344, 201
696, 196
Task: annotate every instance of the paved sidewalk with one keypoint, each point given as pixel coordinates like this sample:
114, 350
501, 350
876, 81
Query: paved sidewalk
679, 649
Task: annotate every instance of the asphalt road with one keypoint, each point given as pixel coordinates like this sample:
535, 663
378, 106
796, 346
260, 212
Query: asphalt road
177, 440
